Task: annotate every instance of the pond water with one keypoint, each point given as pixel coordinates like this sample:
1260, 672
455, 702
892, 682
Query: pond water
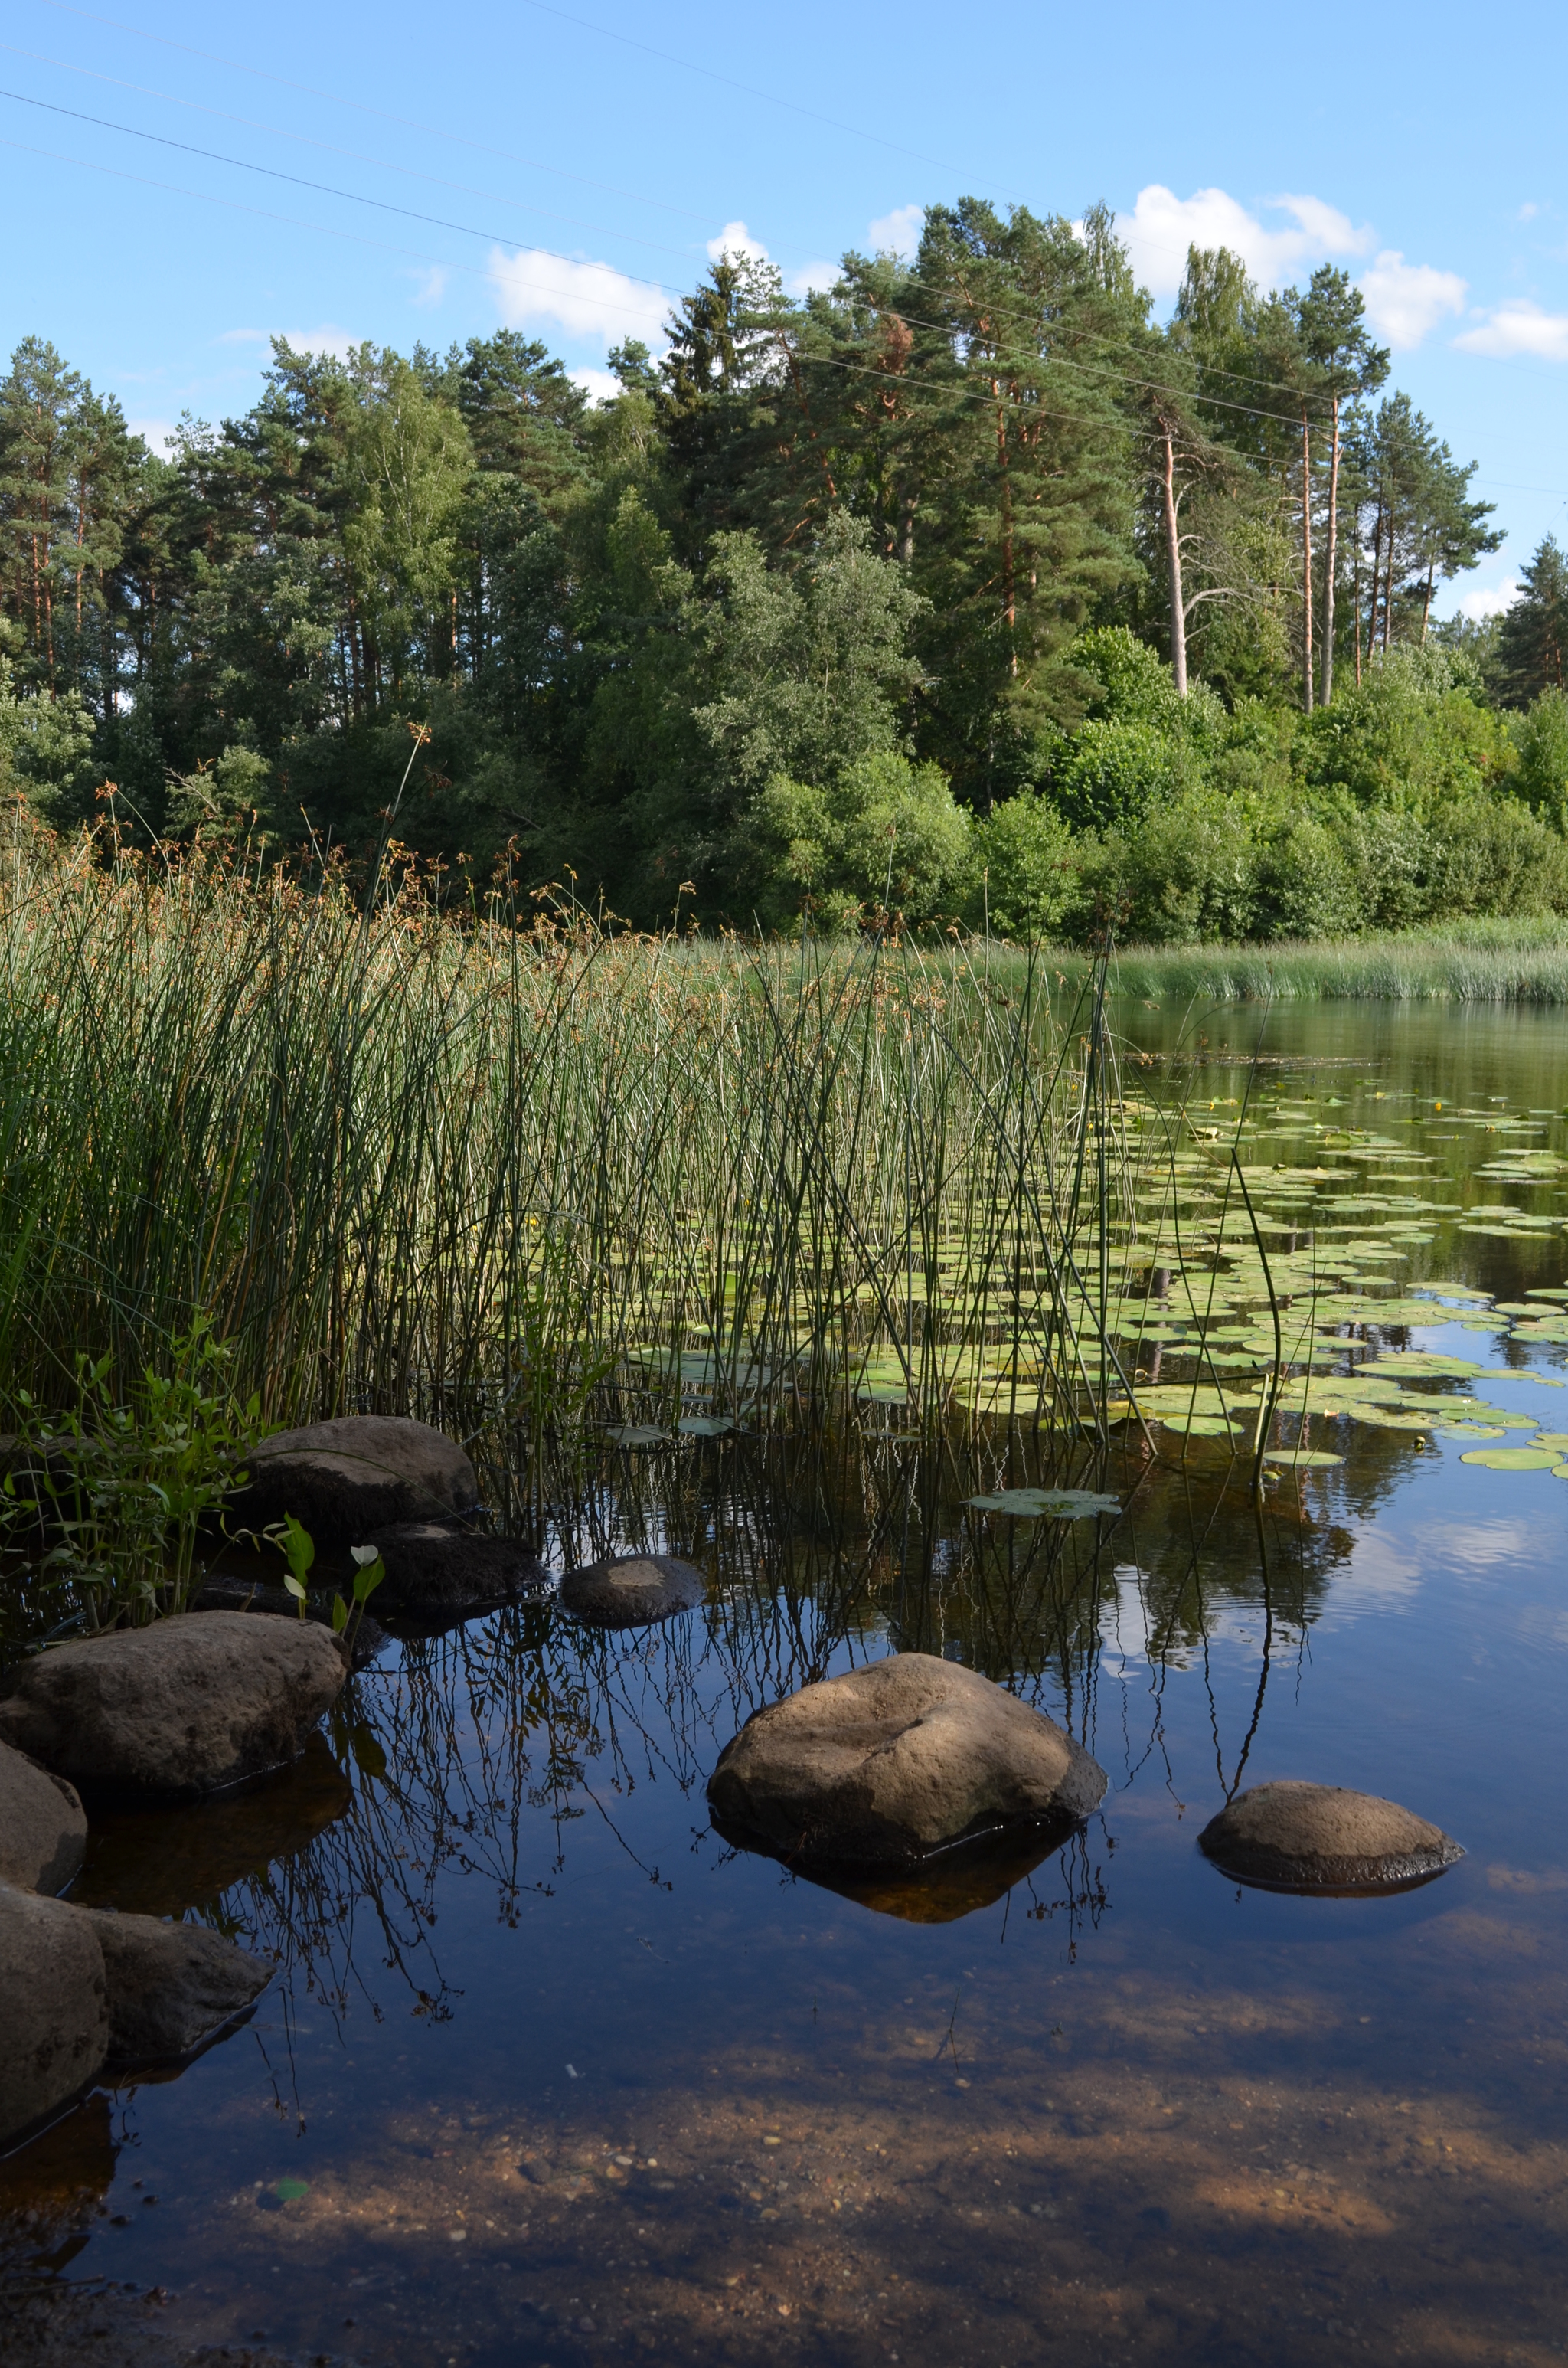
552, 2075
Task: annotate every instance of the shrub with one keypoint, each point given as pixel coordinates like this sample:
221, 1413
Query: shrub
886, 831
1026, 870
1188, 871
1541, 737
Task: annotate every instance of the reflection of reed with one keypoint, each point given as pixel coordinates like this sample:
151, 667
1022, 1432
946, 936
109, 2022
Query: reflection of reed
479, 1751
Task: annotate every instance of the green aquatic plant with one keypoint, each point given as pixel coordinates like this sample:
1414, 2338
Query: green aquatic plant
110, 1496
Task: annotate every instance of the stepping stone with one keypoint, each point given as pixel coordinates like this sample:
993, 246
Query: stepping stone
43, 1829
888, 1763
344, 1479
1296, 1837
441, 1567
54, 2021
188, 1705
633, 1590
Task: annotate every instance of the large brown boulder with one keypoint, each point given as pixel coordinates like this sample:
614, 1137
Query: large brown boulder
43, 1829
345, 1478
1298, 1837
440, 1566
889, 1762
54, 2021
186, 1706
170, 1986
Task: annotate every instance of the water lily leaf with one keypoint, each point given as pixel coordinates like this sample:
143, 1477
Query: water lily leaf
705, 1425
1046, 1503
1471, 1431
637, 1434
1384, 1418
1512, 1459
1317, 1459
1199, 1426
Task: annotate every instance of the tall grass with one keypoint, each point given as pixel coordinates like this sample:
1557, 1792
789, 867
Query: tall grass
1513, 961
501, 1170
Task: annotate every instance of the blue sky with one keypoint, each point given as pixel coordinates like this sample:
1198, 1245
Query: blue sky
585, 166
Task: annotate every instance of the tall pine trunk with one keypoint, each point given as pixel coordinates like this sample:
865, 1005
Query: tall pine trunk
1173, 562
1306, 564
1330, 562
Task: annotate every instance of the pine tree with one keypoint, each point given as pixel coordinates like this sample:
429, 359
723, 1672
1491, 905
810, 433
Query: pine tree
1532, 643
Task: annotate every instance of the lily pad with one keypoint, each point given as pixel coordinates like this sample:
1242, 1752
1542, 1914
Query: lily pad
705, 1425
1314, 1459
1512, 1459
1471, 1431
637, 1434
1199, 1425
1046, 1503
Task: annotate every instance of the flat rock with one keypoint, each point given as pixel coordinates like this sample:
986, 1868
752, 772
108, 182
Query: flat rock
43, 1829
1301, 1836
888, 1763
170, 1986
54, 2020
186, 1706
440, 1566
631, 1590
344, 1479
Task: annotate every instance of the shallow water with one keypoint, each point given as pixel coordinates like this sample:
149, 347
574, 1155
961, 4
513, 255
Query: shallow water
552, 2074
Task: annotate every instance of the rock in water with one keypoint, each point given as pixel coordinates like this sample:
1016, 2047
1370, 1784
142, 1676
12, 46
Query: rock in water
432, 1566
186, 1706
887, 1763
170, 1986
1298, 1837
631, 1590
53, 2007
43, 1829
361, 1473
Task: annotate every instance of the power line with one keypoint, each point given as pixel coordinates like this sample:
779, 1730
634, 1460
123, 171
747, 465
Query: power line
378, 114
769, 98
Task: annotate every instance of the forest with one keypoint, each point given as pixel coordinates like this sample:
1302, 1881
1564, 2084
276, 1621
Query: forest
966, 593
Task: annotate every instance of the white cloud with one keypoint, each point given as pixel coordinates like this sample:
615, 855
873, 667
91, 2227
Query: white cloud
1492, 601
1405, 301
736, 240
599, 386
1528, 211
158, 435
1162, 227
587, 299
1519, 327
898, 233
432, 285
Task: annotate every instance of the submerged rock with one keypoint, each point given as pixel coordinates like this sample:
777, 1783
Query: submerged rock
186, 1706
346, 1478
170, 1986
885, 1764
1298, 1837
631, 1590
54, 2022
437, 1566
43, 1829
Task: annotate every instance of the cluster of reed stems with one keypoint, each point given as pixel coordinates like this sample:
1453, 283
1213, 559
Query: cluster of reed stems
500, 1166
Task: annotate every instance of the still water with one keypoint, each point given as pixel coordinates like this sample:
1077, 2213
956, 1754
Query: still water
552, 2074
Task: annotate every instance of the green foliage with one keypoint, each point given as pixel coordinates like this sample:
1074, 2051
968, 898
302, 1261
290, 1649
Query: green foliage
45, 743
1027, 869
119, 1490
886, 834
1542, 739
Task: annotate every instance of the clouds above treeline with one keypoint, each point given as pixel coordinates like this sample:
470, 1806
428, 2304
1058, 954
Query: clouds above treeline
1280, 240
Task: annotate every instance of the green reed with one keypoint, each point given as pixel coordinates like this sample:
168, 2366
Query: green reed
501, 1166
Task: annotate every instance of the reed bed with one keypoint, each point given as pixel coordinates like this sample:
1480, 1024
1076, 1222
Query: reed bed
505, 1169
1511, 961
